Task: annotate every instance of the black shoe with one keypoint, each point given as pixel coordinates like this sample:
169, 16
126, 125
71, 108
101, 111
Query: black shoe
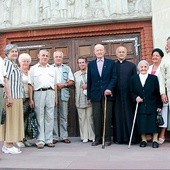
95, 143
107, 143
155, 144
143, 144
55, 141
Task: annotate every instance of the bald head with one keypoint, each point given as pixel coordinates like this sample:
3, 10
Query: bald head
121, 53
99, 51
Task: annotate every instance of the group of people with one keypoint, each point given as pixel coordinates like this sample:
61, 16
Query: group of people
102, 85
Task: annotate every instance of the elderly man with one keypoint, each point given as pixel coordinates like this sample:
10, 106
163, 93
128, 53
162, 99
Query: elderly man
83, 106
164, 79
42, 95
123, 109
65, 80
102, 79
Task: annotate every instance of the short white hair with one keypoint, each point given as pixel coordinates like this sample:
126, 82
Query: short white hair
24, 56
143, 61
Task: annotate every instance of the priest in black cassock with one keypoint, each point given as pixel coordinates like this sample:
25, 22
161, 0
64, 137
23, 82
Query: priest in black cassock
123, 107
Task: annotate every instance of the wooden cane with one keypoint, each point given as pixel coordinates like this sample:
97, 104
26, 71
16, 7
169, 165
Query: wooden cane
104, 122
134, 119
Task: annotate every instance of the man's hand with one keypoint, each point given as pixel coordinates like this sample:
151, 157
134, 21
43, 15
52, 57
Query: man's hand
84, 86
107, 92
60, 86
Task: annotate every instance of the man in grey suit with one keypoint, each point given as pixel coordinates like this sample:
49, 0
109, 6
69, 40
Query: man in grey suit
65, 80
101, 82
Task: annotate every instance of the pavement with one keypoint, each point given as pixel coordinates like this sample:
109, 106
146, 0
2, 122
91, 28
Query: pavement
78, 155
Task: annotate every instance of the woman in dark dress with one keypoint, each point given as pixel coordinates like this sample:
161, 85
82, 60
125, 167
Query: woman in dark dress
144, 90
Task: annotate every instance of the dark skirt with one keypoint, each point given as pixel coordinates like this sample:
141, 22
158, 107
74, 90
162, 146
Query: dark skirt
147, 123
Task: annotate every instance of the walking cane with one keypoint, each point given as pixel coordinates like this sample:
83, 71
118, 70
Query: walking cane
104, 122
134, 119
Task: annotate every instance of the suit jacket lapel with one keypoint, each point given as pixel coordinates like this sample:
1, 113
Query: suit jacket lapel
104, 67
95, 67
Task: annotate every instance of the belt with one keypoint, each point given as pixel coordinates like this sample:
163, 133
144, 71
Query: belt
44, 89
1, 86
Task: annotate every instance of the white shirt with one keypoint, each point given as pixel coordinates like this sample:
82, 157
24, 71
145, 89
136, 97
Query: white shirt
143, 78
2, 71
25, 84
42, 77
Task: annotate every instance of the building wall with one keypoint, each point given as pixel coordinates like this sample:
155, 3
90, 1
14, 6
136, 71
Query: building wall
21, 14
160, 22
144, 28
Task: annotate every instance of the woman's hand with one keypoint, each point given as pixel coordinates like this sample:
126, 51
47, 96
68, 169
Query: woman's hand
164, 98
31, 103
9, 102
159, 110
139, 99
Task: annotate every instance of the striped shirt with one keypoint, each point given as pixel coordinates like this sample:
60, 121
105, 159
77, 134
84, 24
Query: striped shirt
14, 77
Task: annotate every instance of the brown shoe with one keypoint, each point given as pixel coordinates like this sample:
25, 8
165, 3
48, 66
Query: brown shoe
40, 146
55, 141
66, 141
51, 145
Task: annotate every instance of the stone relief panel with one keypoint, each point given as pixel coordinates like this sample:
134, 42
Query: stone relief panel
21, 13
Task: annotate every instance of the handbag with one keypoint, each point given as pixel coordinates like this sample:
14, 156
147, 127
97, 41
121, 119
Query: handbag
160, 120
2, 116
31, 130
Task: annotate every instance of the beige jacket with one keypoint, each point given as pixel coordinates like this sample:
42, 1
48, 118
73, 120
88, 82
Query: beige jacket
77, 76
164, 80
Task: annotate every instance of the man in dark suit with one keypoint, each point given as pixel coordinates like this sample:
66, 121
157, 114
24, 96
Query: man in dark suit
102, 79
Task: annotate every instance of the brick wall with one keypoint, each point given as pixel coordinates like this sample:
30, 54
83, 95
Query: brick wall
144, 28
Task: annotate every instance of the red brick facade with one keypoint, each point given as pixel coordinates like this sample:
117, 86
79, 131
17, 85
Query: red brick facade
144, 28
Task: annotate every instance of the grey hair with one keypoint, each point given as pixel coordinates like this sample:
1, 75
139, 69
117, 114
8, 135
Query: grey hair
143, 61
24, 56
168, 38
9, 47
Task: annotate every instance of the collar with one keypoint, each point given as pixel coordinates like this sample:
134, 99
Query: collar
143, 75
39, 65
121, 61
101, 59
84, 72
58, 66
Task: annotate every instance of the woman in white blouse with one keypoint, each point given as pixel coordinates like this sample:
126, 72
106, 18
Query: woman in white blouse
24, 62
154, 69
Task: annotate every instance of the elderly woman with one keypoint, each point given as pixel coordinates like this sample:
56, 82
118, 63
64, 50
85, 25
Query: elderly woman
84, 108
14, 127
154, 69
25, 61
144, 90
